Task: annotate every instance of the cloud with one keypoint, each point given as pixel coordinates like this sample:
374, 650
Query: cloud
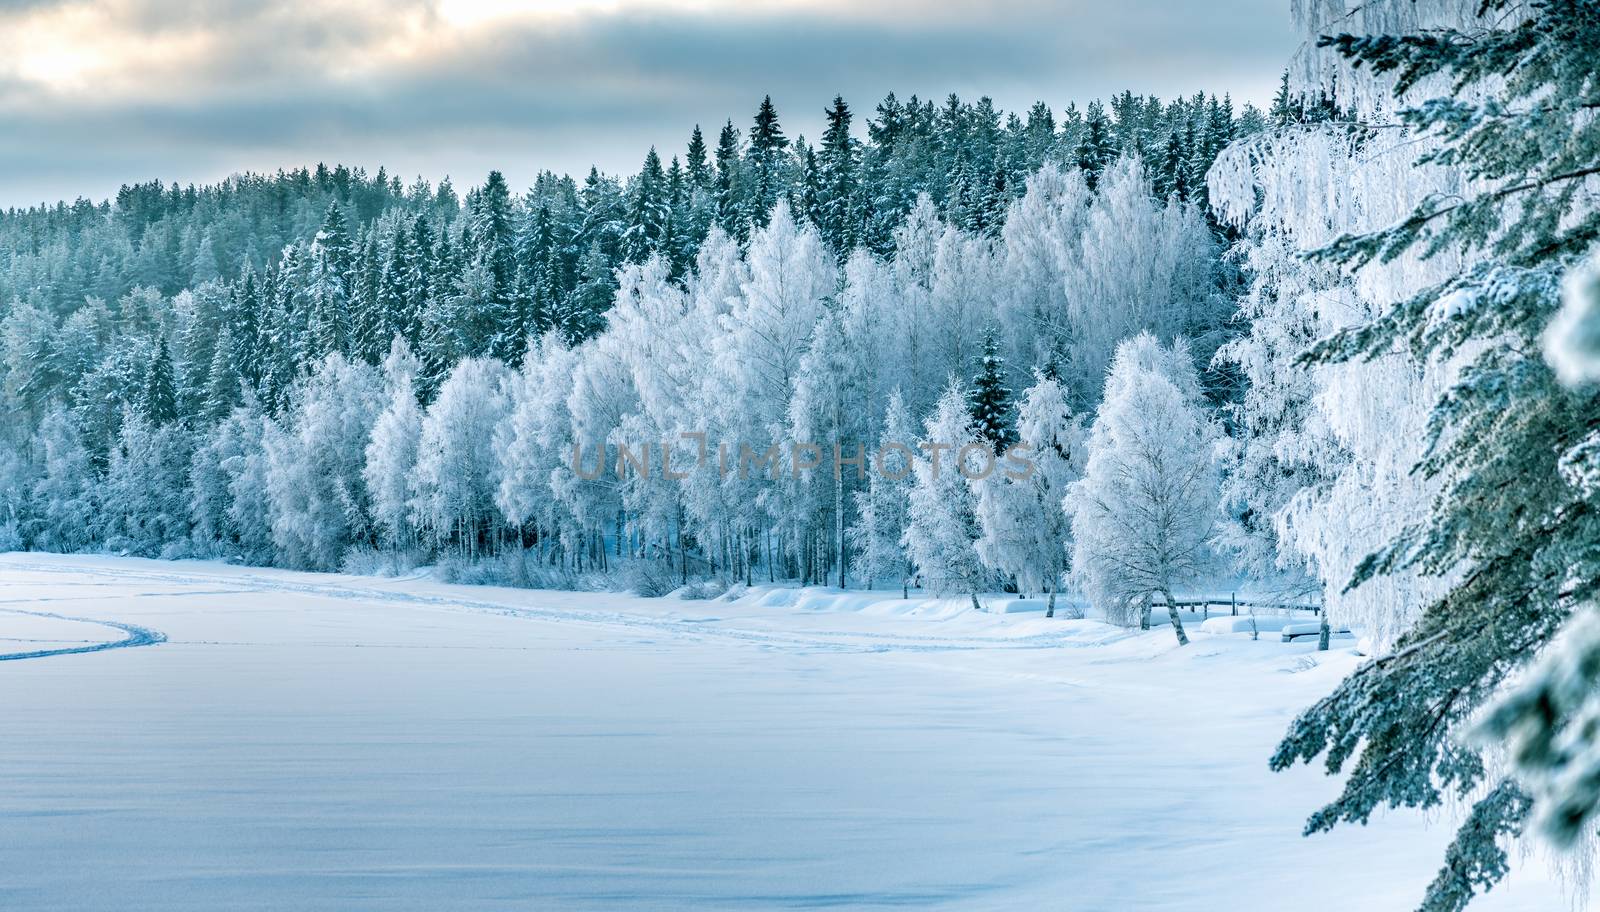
99, 92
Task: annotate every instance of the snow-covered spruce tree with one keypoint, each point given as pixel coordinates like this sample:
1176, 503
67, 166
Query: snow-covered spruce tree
881, 510
1501, 95
1026, 532
1144, 511
942, 524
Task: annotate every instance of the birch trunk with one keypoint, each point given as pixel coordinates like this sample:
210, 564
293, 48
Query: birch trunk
1177, 623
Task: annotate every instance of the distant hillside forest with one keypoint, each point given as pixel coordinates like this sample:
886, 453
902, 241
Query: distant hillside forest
347, 258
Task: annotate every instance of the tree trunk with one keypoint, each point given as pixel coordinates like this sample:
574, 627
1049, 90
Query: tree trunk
1144, 613
838, 520
1177, 623
1325, 633
976, 605
1050, 611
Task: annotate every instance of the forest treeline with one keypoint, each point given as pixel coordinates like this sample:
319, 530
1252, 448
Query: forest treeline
140, 332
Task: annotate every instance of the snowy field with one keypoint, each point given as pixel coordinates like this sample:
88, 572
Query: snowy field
313, 742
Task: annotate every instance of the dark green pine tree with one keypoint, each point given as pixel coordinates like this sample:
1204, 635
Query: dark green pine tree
247, 351
486, 325
392, 306
1195, 163
335, 240
1218, 133
696, 213
1283, 111
605, 217
584, 312
991, 207
1039, 136
648, 211
439, 347
159, 398
1095, 147
284, 336
959, 195
950, 132
886, 129
730, 206
1172, 175
990, 404
805, 195
696, 162
550, 293
873, 211
838, 208
537, 290
418, 283
198, 336
1514, 529
764, 161
327, 268
678, 244
222, 388
369, 332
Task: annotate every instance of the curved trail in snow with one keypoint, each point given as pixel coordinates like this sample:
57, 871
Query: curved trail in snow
136, 636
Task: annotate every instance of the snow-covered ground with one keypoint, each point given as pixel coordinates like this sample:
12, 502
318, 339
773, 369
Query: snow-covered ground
314, 742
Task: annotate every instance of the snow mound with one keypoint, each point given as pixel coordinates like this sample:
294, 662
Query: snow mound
1014, 605
1313, 628
1241, 624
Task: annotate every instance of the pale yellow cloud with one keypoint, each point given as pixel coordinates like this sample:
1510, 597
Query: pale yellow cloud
124, 48
127, 49
96, 92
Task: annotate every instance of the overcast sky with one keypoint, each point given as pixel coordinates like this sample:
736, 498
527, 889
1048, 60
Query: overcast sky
97, 93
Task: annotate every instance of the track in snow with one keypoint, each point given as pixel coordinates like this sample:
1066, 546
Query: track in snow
136, 636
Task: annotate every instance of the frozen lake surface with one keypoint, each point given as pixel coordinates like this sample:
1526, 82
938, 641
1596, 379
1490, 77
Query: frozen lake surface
317, 742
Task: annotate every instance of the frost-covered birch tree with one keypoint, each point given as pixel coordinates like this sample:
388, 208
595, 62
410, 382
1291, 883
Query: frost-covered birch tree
882, 509
1026, 531
942, 524
457, 476
1144, 511
391, 456
315, 455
